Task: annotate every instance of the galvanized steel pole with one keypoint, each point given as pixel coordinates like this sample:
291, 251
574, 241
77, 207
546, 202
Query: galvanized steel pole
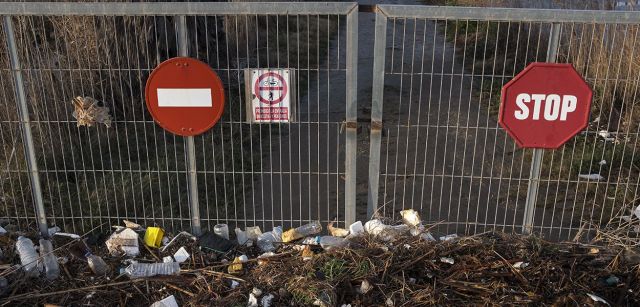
23, 113
377, 91
536, 160
351, 121
192, 183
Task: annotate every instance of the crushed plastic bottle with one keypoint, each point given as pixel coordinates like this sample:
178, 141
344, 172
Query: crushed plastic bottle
97, 265
302, 231
356, 228
137, 270
331, 242
28, 256
266, 240
51, 268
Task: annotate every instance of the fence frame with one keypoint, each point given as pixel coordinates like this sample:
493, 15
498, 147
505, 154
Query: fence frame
555, 17
181, 10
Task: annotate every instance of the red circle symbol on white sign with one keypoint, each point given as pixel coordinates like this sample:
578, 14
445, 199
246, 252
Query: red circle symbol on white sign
184, 96
270, 88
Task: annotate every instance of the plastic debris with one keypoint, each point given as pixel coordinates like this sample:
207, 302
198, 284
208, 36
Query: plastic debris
234, 284
410, 217
49, 260
427, 236
266, 240
448, 260
87, 112
69, 235
311, 240
124, 241
97, 265
376, 228
214, 242
596, 177
602, 162
612, 280
181, 255
337, 232
253, 297
235, 267
137, 270
132, 225
356, 228
169, 301
365, 287
307, 253
28, 256
243, 258
153, 236
302, 231
221, 230
520, 265
596, 298
183, 233
2, 230
636, 212
452, 236
166, 259
266, 300
53, 230
330, 242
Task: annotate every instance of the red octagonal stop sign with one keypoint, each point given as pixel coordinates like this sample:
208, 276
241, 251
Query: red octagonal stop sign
545, 105
184, 96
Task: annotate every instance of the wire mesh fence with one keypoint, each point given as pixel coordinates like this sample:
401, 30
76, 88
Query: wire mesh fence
129, 167
435, 143
442, 151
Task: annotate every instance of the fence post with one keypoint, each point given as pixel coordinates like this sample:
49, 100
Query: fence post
536, 160
377, 91
192, 183
351, 121
23, 113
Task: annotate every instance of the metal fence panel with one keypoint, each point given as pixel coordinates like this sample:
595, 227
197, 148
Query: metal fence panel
439, 72
16, 202
237, 173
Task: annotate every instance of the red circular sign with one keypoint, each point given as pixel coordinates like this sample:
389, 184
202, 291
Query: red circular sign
545, 105
184, 96
274, 84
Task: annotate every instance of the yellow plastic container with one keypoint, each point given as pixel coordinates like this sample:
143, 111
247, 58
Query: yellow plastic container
153, 236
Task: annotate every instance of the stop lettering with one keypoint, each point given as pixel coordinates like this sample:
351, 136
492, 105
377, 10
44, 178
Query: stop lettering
545, 105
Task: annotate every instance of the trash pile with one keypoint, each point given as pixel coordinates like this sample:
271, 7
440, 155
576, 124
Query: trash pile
376, 263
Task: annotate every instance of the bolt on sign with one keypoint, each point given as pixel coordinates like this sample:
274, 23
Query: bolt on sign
185, 96
270, 95
545, 105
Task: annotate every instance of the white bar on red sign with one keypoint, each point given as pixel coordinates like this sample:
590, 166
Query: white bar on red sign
184, 97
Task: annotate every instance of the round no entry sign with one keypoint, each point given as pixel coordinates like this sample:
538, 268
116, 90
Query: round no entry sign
545, 105
184, 96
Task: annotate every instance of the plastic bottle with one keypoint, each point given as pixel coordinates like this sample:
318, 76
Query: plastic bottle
302, 231
266, 240
51, 268
330, 242
97, 265
28, 256
137, 270
242, 237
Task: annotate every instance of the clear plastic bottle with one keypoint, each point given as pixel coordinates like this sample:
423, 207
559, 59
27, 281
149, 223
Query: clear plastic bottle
97, 265
137, 270
266, 240
330, 242
28, 256
303, 231
51, 268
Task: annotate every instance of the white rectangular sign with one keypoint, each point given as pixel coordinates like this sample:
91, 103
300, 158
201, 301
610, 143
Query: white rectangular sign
270, 93
184, 97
